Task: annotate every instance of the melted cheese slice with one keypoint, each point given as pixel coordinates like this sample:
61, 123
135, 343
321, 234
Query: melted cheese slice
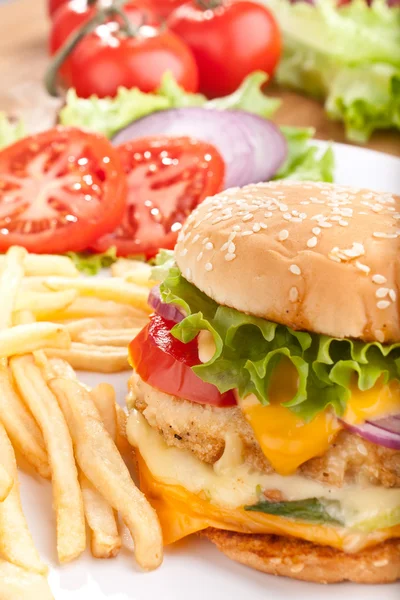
190, 495
182, 513
287, 441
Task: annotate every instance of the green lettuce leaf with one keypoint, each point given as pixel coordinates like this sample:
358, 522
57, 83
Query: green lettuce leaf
313, 510
248, 350
10, 132
109, 115
90, 263
358, 81
305, 161
249, 97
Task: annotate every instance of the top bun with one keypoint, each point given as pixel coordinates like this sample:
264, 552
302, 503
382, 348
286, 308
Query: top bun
313, 256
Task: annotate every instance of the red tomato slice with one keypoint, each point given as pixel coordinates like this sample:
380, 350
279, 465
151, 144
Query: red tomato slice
165, 363
59, 191
167, 179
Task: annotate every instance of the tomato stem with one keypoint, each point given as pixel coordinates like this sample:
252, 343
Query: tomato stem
208, 4
115, 8
73, 40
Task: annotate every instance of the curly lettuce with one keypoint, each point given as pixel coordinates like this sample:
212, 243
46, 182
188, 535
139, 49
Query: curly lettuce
348, 56
249, 349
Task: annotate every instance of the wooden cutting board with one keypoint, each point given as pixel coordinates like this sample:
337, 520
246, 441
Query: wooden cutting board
24, 30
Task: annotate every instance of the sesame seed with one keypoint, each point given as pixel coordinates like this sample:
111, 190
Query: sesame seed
382, 304
334, 258
195, 238
231, 248
324, 224
382, 234
343, 223
183, 252
382, 292
188, 273
293, 294
362, 267
199, 256
392, 295
303, 215
381, 563
296, 220
312, 242
250, 232
208, 266
268, 214
379, 279
256, 227
230, 256
287, 216
236, 228
297, 568
209, 246
295, 269
247, 217
316, 230
283, 235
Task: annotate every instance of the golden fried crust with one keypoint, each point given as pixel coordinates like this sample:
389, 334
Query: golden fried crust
298, 559
201, 429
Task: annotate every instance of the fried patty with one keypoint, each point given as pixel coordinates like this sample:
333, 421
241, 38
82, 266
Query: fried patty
202, 429
298, 559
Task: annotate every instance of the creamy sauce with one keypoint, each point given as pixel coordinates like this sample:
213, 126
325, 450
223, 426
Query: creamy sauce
231, 483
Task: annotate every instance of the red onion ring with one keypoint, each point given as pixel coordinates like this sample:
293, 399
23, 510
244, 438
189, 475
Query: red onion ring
383, 432
171, 312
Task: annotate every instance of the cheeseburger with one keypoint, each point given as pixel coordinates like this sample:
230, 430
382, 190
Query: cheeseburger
266, 394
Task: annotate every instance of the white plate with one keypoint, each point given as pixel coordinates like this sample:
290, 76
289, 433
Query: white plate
194, 569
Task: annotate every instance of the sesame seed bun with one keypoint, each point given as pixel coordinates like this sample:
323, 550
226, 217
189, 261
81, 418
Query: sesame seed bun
298, 559
312, 256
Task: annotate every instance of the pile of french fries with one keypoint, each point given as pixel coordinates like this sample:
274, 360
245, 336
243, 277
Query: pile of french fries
51, 322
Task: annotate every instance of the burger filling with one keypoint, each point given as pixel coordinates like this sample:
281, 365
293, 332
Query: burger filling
251, 426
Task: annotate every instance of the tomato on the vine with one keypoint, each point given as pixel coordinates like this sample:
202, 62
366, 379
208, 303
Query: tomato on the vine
229, 40
166, 364
73, 14
105, 60
167, 178
59, 191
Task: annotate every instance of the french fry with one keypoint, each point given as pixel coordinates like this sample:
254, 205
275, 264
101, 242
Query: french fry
108, 337
6, 483
19, 584
83, 308
122, 441
77, 327
16, 544
135, 271
35, 336
10, 281
103, 396
68, 504
45, 265
116, 289
105, 539
44, 303
60, 368
102, 464
21, 427
102, 359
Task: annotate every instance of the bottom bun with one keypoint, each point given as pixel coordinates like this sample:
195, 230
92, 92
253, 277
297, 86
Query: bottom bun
298, 559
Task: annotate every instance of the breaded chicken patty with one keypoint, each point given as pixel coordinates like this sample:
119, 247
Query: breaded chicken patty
202, 429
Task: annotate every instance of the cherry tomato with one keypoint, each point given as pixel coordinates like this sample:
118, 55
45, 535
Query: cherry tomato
59, 191
229, 40
73, 14
106, 60
54, 5
161, 9
167, 178
165, 363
